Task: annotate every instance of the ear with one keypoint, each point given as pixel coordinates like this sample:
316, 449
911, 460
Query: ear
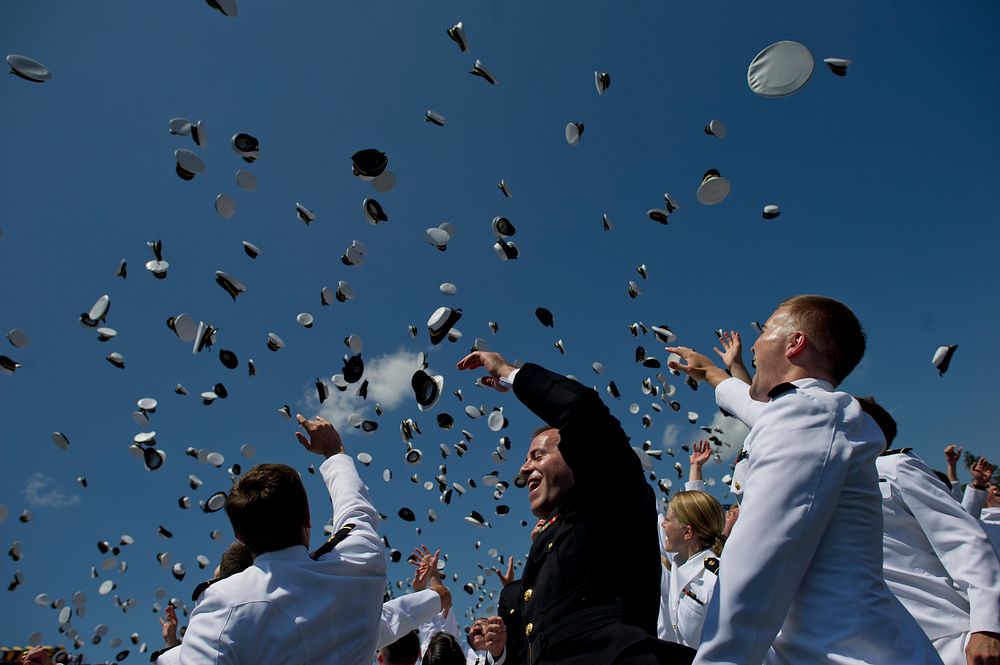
796, 344
688, 532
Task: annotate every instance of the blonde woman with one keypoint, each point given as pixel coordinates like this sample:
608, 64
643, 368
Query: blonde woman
692, 540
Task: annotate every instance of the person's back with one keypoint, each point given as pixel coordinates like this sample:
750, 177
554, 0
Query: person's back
289, 607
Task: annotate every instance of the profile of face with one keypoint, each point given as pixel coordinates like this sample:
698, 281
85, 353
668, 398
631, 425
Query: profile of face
769, 353
548, 476
993, 497
676, 536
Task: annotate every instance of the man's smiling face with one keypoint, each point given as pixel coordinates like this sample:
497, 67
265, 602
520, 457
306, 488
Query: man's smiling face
548, 475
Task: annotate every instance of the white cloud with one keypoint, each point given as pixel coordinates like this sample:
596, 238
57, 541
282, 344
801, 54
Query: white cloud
671, 434
388, 378
40, 490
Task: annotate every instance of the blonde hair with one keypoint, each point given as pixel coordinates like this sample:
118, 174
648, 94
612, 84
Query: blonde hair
703, 514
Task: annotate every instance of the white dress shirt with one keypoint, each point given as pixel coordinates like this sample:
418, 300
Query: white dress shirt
805, 557
288, 608
938, 561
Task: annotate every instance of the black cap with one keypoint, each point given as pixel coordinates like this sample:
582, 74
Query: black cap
369, 163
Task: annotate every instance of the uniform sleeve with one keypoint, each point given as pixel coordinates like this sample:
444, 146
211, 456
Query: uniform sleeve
733, 396
592, 441
695, 486
797, 470
206, 639
958, 540
406, 613
362, 548
973, 500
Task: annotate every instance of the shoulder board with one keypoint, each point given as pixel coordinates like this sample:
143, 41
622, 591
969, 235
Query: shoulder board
332, 541
712, 565
780, 389
200, 589
897, 451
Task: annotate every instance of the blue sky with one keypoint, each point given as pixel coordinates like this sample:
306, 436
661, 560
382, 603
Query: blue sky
886, 180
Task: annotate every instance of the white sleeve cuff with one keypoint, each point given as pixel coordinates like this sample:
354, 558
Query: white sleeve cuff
508, 381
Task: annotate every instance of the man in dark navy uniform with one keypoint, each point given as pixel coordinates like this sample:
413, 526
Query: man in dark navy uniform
589, 591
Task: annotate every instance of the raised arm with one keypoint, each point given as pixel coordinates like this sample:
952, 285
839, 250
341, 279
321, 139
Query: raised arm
586, 425
351, 503
732, 355
975, 492
701, 451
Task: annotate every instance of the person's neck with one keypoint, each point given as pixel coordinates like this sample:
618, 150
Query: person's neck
687, 552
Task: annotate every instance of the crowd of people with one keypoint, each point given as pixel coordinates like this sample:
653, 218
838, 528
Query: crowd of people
839, 550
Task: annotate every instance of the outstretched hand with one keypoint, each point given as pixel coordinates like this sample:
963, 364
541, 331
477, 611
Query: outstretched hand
323, 438
428, 576
982, 473
427, 567
508, 577
732, 355
492, 363
701, 452
732, 348
697, 366
169, 626
952, 454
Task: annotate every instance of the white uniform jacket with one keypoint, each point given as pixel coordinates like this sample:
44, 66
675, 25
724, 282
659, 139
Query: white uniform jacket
288, 608
938, 560
691, 622
805, 557
686, 593
406, 613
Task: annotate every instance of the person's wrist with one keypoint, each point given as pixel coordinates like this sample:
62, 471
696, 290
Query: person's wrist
714, 376
977, 486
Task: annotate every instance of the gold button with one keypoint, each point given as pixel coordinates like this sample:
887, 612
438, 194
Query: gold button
527, 629
737, 485
527, 595
551, 545
510, 611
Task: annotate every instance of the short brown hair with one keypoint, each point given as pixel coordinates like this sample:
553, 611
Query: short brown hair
404, 651
235, 559
443, 649
268, 508
832, 328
